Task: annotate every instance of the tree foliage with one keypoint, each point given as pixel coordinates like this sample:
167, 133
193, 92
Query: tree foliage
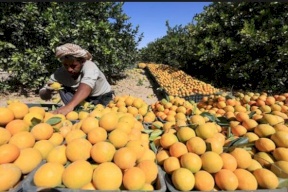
30, 32
240, 44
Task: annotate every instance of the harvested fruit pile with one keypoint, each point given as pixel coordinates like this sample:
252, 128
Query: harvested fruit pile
176, 82
220, 143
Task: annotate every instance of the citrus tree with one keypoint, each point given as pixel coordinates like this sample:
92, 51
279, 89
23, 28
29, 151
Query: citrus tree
30, 32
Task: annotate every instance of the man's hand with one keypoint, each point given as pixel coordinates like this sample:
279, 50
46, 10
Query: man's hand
63, 110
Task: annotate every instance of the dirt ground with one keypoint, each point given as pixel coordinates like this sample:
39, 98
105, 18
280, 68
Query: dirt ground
136, 83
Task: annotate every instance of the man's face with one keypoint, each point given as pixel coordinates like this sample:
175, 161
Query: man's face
72, 66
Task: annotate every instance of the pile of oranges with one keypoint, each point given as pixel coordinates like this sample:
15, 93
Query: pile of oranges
223, 142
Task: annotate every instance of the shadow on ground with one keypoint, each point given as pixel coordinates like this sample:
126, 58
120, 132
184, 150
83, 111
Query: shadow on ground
155, 86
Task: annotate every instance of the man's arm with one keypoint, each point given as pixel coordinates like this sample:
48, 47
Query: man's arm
81, 94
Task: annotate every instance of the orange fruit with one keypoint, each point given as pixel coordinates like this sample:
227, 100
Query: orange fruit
19, 109
246, 180
49, 175
108, 121
57, 155
77, 174
225, 179
37, 109
204, 181
211, 162
150, 169
229, 161
147, 155
183, 179
177, 149
56, 138
6, 115
170, 164
102, 151
74, 134
137, 147
280, 154
23, 139
167, 139
16, 126
72, 116
134, 178
89, 123
96, 135
107, 176
161, 156
42, 131
242, 157
5, 136
206, 130
31, 115
8, 153
31, 155
125, 158
118, 138
191, 161
10, 175
196, 145
185, 133
266, 179
44, 146
74, 152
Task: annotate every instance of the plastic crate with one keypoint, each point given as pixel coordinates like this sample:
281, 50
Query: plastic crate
46, 106
28, 185
170, 186
19, 186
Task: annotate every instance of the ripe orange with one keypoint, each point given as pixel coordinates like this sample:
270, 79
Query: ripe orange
77, 174
108, 121
118, 138
6, 115
37, 109
196, 145
102, 151
74, 134
42, 131
96, 135
167, 139
44, 146
89, 123
49, 175
242, 157
170, 164
204, 181
23, 139
57, 155
5, 136
19, 109
211, 162
246, 180
29, 117
72, 116
107, 176
225, 179
266, 179
229, 161
31, 155
191, 161
74, 152
8, 153
161, 156
134, 178
16, 126
177, 149
10, 175
183, 179
125, 158
150, 169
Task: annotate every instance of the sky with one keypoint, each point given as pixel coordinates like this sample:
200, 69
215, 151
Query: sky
152, 16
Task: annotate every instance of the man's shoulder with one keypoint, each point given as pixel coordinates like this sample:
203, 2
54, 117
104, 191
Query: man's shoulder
90, 65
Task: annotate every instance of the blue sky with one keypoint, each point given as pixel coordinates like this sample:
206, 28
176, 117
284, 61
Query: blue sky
152, 16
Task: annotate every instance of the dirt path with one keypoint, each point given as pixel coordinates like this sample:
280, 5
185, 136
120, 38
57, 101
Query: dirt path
136, 84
